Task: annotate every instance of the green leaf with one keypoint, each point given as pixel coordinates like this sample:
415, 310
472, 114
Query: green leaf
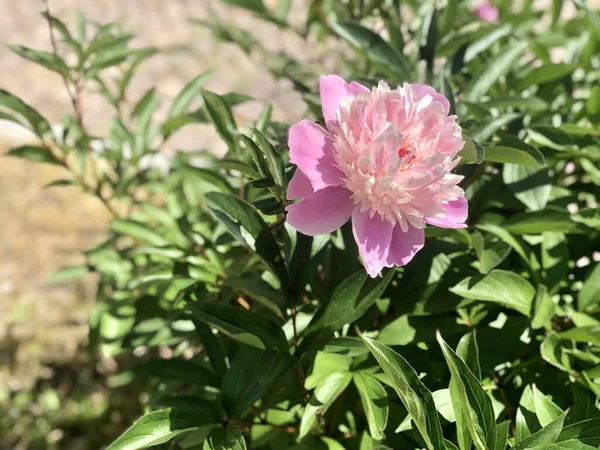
264, 119
241, 325
583, 435
480, 417
545, 74
38, 124
156, 428
256, 6
375, 403
138, 231
257, 156
540, 221
593, 103
544, 308
323, 397
485, 129
468, 351
490, 256
373, 47
526, 421
245, 224
518, 244
529, 184
48, 60
187, 95
515, 151
552, 352
590, 333
545, 409
324, 365
351, 299
496, 67
502, 430
252, 374
221, 116
589, 217
499, 286
417, 399
225, 439
472, 151
413, 328
35, 153
543, 438
177, 369
274, 159
589, 295
478, 46
69, 274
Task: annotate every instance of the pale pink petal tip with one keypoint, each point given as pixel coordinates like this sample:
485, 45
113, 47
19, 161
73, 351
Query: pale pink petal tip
457, 212
333, 89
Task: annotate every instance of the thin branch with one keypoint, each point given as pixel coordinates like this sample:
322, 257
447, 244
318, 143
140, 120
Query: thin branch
510, 410
279, 221
74, 96
287, 428
301, 376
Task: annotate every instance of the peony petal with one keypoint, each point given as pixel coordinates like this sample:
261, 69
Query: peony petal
321, 213
457, 214
421, 90
333, 90
299, 186
311, 149
405, 245
373, 236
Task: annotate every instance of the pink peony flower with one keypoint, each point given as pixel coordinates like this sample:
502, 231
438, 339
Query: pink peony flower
487, 12
385, 161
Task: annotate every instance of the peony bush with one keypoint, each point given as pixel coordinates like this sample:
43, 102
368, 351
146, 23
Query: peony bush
412, 266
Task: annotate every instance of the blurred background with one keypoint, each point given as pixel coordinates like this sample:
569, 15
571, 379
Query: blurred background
53, 393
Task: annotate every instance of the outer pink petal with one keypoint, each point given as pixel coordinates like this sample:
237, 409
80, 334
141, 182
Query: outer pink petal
333, 90
373, 236
311, 149
299, 186
421, 90
457, 214
405, 245
321, 213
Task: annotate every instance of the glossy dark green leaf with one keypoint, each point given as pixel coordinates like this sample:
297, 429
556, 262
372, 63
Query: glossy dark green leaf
499, 286
480, 417
583, 435
373, 46
225, 439
156, 428
375, 403
515, 151
545, 409
536, 222
241, 325
417, 399
253, 5
273, 158
552, 352
351, 299
245, 224
544, 438
502, 430
179, 370
253, 373
468, 351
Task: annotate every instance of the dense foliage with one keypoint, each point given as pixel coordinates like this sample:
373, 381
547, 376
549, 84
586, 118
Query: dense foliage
488, 339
